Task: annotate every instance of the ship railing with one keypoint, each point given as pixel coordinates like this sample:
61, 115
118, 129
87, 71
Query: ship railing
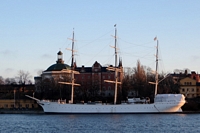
58, 101
47, 100
95, 102
138, 100
61, 101
80, 102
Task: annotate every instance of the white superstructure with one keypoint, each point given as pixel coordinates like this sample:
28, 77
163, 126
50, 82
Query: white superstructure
163, 103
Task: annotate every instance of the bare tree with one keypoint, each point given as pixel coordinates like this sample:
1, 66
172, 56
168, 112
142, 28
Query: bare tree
139, 78
128, 71
39, 72
23, 77
9, 81
1, 80
127, 85
139, 73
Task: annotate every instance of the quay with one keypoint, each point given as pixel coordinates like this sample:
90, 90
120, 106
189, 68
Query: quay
8, 111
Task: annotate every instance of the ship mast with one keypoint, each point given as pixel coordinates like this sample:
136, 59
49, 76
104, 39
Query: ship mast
72, 72
115, 98
115, 69
115, 46
72, 68
156, 77
72, 63
156, 72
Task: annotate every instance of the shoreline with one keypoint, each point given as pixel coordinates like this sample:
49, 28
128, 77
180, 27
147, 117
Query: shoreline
6, 111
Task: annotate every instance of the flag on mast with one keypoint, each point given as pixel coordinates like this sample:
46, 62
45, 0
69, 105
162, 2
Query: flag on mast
155, 38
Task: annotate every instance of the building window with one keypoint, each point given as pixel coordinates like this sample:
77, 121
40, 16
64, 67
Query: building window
109, 88
12, 105
197, 90
183, 90
185, 83
187, 89
192, 89
27, 105
104, 88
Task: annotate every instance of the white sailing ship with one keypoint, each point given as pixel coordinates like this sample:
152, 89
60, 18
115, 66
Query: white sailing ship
163, 103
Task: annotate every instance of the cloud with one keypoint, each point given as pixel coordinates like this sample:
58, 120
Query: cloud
9, 70
6, 52
195, 57
46, 56
7, 73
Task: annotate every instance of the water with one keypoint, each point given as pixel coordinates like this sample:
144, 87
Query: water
99, 123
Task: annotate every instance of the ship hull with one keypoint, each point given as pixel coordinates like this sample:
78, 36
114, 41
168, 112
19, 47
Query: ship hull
55, 107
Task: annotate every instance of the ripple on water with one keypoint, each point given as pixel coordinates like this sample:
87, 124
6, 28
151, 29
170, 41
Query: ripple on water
98, 123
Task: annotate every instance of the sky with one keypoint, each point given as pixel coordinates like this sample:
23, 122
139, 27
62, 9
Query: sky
33, 31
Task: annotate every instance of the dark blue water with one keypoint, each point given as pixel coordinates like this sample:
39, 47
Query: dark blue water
96, 123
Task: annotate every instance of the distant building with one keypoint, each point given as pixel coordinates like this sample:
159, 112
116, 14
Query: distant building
23, 104
93, 78
13, 96
90, 78
52, 73
55, 69
188, 87
189, 84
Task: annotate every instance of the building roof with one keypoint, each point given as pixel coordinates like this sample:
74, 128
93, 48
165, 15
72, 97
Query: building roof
57, 67
96, 66
89, 69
